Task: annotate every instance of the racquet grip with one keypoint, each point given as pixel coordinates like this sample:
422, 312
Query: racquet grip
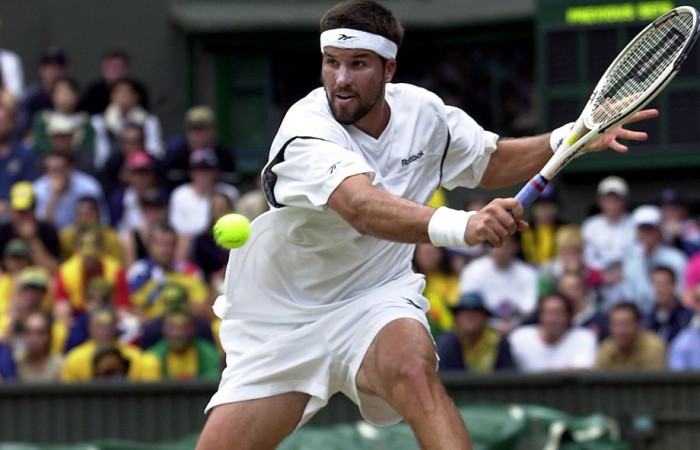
532, 189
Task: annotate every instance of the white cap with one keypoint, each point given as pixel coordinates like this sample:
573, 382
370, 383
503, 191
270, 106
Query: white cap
60, 124
647, 215
613, 185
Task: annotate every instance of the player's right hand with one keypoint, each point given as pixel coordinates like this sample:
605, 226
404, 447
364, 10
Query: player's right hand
495, 222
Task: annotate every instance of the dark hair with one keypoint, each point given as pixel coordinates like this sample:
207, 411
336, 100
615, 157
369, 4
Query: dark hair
133, 84
67, 80
117, 53
364, 15
563, 298
90, 200
666, 269
629, 306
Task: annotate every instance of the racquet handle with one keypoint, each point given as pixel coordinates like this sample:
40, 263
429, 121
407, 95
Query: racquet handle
532, 189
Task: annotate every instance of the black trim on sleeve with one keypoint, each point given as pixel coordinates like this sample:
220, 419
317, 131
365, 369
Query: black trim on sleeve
444, 156
269, 178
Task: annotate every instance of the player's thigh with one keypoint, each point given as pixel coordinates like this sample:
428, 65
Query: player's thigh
258, 424
400, 350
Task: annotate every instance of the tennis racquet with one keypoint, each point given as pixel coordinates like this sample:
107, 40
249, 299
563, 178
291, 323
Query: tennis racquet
638, 74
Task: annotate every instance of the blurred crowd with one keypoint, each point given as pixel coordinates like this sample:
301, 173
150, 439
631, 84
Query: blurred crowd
109, 268
620, 290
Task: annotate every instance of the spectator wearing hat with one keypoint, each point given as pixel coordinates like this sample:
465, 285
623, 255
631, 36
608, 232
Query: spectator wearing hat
678, 228
79, 362
36, 363
87, 216
124, 108
17, 162
537, 242
64, 128
41, 236
59, 189
609, 237
53, 65
473, 345
140, 176
200, 134
153, 205
651, 253
190, 203
552, 344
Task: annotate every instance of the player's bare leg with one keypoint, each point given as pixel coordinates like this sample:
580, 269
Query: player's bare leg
254, 424
400, 368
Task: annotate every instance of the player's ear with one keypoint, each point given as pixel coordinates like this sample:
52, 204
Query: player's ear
389, 70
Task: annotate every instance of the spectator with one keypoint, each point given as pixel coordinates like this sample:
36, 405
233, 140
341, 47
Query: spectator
154, 209
59, 189
441, 285
200, 134
182, 354
87, 216
684, 351
114, 174
140, 176
36, 363
64, 105
147, 277
652, 252
79, 363
538, 243
190, 203
99, 293
15, 257
109, 364
115, 65
41, 236
668, 317
124, 108
678, 229
572, 284
52, 66
629, 346
207, 254
89, 261
609, 237
507, 284
473, 345
553, 343
17, 162
11, 73
61, 132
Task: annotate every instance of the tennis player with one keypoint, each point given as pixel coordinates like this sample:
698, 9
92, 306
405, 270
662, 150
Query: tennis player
323, 299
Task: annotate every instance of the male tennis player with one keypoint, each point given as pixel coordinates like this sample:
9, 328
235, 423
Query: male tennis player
323, 299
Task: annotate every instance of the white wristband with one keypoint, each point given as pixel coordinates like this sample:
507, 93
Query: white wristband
447, 227
558, 136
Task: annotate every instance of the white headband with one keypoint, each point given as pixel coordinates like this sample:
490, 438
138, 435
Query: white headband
349, 38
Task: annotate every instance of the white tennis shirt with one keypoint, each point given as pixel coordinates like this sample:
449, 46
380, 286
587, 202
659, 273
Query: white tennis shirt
303, 259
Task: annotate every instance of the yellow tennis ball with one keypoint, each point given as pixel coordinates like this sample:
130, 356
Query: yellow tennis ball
231, 230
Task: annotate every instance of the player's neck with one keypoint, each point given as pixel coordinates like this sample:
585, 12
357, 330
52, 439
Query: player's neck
375, 121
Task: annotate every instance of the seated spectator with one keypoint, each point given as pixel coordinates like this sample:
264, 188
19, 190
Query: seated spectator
586, 315
52, 66
124, 108
87, 216
154, 208
507, 284
140, 177
174, 298
182, 354
89, 261
64, 109
653, 252
190, 203
668, 317
200, 134
537, 242
552, 343
207, 254
17, 162
41, 236
473, 345
79, 362
147, 277
60, 133
59, 189
677, 227
684, 351
441, 285
109, 364
629, 346
15, 257
35, 362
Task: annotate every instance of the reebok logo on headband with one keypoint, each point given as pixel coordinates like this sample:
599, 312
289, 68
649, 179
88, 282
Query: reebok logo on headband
356, 39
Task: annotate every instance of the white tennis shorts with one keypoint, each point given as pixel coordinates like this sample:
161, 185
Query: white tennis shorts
319, 358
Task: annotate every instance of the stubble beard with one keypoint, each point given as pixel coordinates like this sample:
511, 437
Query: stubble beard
349, 115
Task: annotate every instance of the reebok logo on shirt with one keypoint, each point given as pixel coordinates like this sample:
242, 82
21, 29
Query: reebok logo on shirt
412, 158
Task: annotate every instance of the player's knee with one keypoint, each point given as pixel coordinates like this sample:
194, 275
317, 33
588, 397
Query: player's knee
410, 372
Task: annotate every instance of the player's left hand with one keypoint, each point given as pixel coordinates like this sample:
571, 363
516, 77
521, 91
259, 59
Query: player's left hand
611, 138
